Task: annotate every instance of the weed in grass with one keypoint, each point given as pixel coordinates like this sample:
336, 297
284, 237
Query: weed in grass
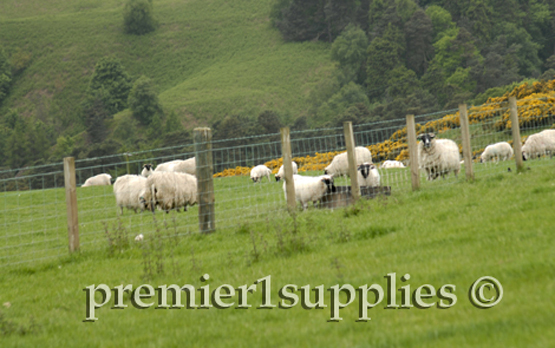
9, 327
374, 231
195, 264
118, 239
255, 253
337, 266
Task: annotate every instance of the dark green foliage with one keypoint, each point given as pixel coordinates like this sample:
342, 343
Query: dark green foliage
143, 100
269, 122
349, 49
94, 115
111, 83
138, 17
5, 76
419, 37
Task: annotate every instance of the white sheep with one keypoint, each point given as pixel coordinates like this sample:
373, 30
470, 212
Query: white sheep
311, 188
539, 144
260, 171
128, 189
281, 172
392, 164
340, 164
438, 156
498, 151
147, 170
139, 237
368, 175
169, 190
98, 180
188, 166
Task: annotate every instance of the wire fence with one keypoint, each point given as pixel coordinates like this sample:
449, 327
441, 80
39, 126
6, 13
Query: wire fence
33, 199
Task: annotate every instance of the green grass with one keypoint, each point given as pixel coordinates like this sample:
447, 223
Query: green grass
208, 59
449, 232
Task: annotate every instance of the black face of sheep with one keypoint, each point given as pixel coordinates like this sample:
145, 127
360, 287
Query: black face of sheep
524, 157
329, 184
365, 169
426, 139
147, 166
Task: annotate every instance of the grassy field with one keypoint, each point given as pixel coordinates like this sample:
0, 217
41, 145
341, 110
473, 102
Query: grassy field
207, 58
449, 232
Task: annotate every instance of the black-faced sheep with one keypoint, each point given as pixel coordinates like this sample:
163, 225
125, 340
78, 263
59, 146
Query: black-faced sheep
368, 175
340, 164
438, 156
311, 188
147, 170
539, 144
169, 190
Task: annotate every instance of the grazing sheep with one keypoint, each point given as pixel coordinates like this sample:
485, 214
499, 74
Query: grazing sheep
539, 144
498, 151
340, 164
368, 175
281, 172
128, 189
311, 188
98, 180
260, 171
438, 156
169, 190
392, 164
188, 166
147, 170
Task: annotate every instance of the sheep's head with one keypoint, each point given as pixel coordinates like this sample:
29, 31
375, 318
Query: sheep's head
364, 169
524, 156
426, 139
328, 181
147, 166
278, 177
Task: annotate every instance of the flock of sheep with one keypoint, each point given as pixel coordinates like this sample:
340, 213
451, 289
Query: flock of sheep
173, 185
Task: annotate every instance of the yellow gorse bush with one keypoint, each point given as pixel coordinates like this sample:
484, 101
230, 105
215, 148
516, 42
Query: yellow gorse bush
535, 102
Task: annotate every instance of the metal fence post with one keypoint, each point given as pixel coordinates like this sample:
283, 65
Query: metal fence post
515, 127
71, 204
467, 149
205, 180
352, 159
288, 168
413, 153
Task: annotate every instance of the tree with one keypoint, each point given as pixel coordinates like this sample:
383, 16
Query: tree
94, 115
143, 100
138, 17
269, 122
349, 50
111, 83
419, 36
5, 76
441, 20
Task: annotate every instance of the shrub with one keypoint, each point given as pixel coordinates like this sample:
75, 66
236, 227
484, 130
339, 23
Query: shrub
138, 17
143, 100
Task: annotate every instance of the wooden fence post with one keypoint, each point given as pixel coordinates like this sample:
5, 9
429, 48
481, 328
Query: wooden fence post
515, 126
288, 168
413, 153
467, 148
352, 159
205, 180
71, 204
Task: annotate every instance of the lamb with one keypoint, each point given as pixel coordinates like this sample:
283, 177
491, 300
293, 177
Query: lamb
392, 164
539, 144
169, 190
368, 175
188, 166
340, 164
281, 172
147, 170
128, 189
260, 171
311, 188
498, 151
98, 180
438, 156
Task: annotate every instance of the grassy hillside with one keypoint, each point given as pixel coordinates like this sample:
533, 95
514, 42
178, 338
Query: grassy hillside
500, 226
207, 58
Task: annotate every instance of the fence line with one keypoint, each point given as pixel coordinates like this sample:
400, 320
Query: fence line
34, 209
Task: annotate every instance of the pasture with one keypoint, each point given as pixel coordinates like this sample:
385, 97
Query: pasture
449, 232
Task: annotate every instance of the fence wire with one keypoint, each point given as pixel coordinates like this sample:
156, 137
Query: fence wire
33, 207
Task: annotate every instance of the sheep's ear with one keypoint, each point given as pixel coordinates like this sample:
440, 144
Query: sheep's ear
431, 135
420, 136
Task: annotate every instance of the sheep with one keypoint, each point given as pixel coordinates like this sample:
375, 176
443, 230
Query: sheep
539, 144
139, 237
368, 175
392, 164
169, 190
281, 172
311, 188
98, 180
340, 164
147, 170
128, 189
498, 151
260, 171
438, 156
188, 166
